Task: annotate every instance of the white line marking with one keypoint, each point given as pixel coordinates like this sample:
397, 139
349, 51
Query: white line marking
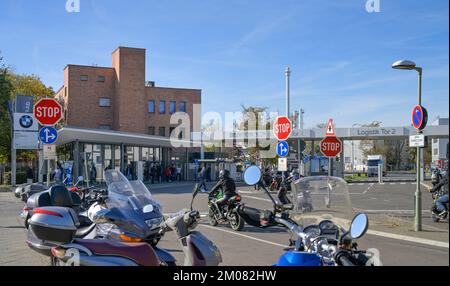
392, 183
402, 183
361, 184
259, 199
410, 239
393, 211
246, 236
365, 192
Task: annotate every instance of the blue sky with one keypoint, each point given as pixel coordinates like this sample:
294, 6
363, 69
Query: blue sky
236, 51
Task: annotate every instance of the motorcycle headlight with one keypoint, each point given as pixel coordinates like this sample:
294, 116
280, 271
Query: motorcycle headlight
154, 222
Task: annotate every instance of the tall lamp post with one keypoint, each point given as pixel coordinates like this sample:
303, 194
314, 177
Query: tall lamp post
353, 147
410, 65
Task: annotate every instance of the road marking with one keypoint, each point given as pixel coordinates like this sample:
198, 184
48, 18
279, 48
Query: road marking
410, 238
392, 183
402, 183
393, 211
365, 192
257, 198
246, 236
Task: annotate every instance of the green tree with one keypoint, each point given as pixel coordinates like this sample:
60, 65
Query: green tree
5, 123
11, 84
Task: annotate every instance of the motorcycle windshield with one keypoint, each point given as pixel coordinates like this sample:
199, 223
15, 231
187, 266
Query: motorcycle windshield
320, 198
141, 213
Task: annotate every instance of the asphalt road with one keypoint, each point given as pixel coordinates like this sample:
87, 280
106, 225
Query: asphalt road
255, 246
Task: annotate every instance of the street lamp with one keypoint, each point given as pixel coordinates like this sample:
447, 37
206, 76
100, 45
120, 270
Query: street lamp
353, 147
410, 65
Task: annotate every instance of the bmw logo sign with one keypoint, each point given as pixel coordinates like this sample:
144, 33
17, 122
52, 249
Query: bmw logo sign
26, 121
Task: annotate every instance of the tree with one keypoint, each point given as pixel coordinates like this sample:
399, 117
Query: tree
253, 119
5, 123
11, 84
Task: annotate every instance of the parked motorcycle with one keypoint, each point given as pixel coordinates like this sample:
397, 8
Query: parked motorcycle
228, 214
58, 225
435, 215
320, 244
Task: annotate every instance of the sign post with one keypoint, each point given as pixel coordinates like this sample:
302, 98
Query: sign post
419, 118
48, 112
282, 129
330, 146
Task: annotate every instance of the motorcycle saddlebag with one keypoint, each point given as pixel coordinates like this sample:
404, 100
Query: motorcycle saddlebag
56, 225
251, 216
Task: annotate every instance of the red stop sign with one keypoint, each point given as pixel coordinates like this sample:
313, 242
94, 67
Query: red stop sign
331, 146
282, 128
47, 111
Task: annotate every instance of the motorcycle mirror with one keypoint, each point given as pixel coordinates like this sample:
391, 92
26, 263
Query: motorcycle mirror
252, 175
359, 225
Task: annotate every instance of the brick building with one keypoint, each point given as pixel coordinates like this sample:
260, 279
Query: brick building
119, 97
114, 118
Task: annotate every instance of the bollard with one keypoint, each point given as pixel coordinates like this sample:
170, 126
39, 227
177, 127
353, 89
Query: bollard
380, 173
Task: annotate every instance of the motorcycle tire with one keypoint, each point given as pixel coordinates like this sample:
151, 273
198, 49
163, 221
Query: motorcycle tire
236, 222
26, 221
212, 218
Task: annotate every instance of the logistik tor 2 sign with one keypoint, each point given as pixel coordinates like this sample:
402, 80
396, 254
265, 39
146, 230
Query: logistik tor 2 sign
379, 131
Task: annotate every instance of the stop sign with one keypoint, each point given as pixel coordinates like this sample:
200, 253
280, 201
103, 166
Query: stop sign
282, 128
47, 111
331, 146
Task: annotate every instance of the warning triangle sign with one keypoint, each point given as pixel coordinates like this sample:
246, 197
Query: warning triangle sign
330, 128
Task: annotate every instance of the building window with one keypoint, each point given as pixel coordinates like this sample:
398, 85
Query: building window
101, 78
104, 102
65, 91
151, 130
105, 127
172, 107
162, 106
151, 106
162, 131
171, 129
182, 107
435, 152
84, 77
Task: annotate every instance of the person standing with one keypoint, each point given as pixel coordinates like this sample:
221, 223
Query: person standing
167, 174
158, 173
202, 177
208, 173
29, 173
179, 173
153, 173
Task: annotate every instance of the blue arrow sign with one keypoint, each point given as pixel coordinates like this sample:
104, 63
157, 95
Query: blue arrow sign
282, 148
48, 135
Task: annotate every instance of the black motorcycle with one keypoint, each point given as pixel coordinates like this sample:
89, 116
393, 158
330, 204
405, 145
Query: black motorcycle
228, 214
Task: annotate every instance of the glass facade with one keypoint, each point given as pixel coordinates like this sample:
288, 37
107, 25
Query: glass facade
96, 158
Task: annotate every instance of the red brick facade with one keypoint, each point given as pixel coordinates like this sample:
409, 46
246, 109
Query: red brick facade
124, 86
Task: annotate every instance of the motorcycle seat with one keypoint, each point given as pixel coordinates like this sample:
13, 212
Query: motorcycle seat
141, 253
83, 231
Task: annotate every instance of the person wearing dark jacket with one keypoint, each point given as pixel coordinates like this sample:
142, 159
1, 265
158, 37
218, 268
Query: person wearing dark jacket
228, 187
443, 200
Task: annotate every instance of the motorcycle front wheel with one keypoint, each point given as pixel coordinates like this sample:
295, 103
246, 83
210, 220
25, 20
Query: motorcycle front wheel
236, 222
212, 218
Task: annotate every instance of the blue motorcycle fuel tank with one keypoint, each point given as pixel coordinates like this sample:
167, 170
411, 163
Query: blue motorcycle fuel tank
298, 258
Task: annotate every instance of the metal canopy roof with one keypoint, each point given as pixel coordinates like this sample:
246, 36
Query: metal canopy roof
70, 134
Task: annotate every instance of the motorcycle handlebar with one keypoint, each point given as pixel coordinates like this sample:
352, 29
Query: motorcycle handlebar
342, 258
